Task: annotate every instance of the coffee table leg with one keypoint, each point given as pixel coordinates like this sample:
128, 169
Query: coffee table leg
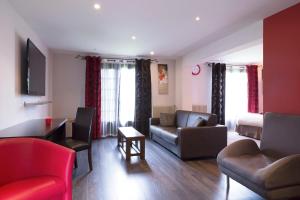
142, 147
119, 139
128, 149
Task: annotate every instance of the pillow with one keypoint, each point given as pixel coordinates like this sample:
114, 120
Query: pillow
167, 119
198, 122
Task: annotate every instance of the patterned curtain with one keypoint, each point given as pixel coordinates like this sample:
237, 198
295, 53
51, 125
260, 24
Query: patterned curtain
252, 88
93, 91
218, 91
143, 97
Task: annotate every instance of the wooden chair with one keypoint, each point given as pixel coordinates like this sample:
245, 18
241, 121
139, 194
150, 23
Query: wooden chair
82, 133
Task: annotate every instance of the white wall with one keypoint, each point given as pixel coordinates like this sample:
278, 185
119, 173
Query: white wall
196, 89
163, 99
68, 85
178, 83
13, 35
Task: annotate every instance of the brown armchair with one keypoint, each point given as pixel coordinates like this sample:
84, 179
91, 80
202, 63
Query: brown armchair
272, 170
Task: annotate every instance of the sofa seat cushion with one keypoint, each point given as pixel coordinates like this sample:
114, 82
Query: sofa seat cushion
77, 145
37, 188
168, 134
248, 166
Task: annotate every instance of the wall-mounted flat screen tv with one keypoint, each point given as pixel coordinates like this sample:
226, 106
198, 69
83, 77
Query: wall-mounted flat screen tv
35, 70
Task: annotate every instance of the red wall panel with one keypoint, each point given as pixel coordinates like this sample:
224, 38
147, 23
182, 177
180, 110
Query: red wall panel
281, 74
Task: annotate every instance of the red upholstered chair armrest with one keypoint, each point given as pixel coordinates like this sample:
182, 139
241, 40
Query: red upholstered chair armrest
52, 159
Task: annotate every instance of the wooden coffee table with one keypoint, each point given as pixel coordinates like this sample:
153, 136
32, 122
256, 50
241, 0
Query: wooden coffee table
131, 142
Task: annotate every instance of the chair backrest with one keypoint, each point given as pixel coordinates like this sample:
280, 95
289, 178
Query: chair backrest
186, 118
281, 134
82, 128
22, 158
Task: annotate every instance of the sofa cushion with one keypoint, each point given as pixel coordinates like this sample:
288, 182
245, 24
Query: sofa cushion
182, 118
167, 119
247, 166
209, 118
168, 134
195, 120
37, 188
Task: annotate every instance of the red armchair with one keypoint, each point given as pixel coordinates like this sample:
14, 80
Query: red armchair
35, 169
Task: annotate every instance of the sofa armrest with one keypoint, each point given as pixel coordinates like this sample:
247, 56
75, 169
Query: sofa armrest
238, 148
283, 171
205, 141
154, 121
188, 132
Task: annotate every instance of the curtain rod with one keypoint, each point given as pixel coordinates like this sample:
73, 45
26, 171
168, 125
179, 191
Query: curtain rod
127, 59
233, 65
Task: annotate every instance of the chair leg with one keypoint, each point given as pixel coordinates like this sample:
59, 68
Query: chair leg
90, 158
75, 161
228, 184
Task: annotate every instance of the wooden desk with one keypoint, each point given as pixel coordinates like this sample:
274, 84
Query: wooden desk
37, 128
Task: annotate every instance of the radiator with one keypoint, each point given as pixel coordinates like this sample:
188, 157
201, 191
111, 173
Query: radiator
199, 108
156, 110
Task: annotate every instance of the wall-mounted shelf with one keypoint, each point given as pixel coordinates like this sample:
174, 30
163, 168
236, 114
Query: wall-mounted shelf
36, 103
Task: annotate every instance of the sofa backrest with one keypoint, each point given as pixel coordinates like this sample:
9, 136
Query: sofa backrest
281, 134
188, 118
182, 118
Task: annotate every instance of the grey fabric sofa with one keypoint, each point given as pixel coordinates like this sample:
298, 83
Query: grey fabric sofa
273, 170
190, 142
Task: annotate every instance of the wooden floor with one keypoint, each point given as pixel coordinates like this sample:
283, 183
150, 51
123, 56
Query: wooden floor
162, 176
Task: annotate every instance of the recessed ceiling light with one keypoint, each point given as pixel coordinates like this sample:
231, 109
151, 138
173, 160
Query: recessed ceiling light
97, 6
152, 53
133, 37
197, 18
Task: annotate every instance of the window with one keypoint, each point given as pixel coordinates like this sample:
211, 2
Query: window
236, 99
117, 96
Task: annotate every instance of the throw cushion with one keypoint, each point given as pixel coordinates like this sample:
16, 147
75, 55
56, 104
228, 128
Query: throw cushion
198, 122
167, 119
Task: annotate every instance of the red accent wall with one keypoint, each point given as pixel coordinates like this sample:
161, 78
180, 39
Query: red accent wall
281, 74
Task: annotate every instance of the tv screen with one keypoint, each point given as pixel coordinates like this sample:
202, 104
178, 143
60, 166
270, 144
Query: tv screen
36, 70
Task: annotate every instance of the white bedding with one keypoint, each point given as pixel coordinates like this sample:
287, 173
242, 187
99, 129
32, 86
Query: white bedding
251, 119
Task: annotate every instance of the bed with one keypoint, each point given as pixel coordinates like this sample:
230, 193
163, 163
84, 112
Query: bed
250, 125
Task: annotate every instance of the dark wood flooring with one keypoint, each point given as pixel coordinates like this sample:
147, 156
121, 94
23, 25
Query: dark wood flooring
162, 176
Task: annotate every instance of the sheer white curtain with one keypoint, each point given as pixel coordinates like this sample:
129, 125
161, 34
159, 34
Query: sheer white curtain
236, 95
117, 97
127, 95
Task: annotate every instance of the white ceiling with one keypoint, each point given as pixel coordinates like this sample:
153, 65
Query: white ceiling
167, 27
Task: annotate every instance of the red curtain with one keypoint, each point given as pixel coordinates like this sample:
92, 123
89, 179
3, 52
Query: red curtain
93, 91
252, 88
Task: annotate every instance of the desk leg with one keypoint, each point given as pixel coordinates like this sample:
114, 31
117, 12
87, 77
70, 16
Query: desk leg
142, 147
128, 149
